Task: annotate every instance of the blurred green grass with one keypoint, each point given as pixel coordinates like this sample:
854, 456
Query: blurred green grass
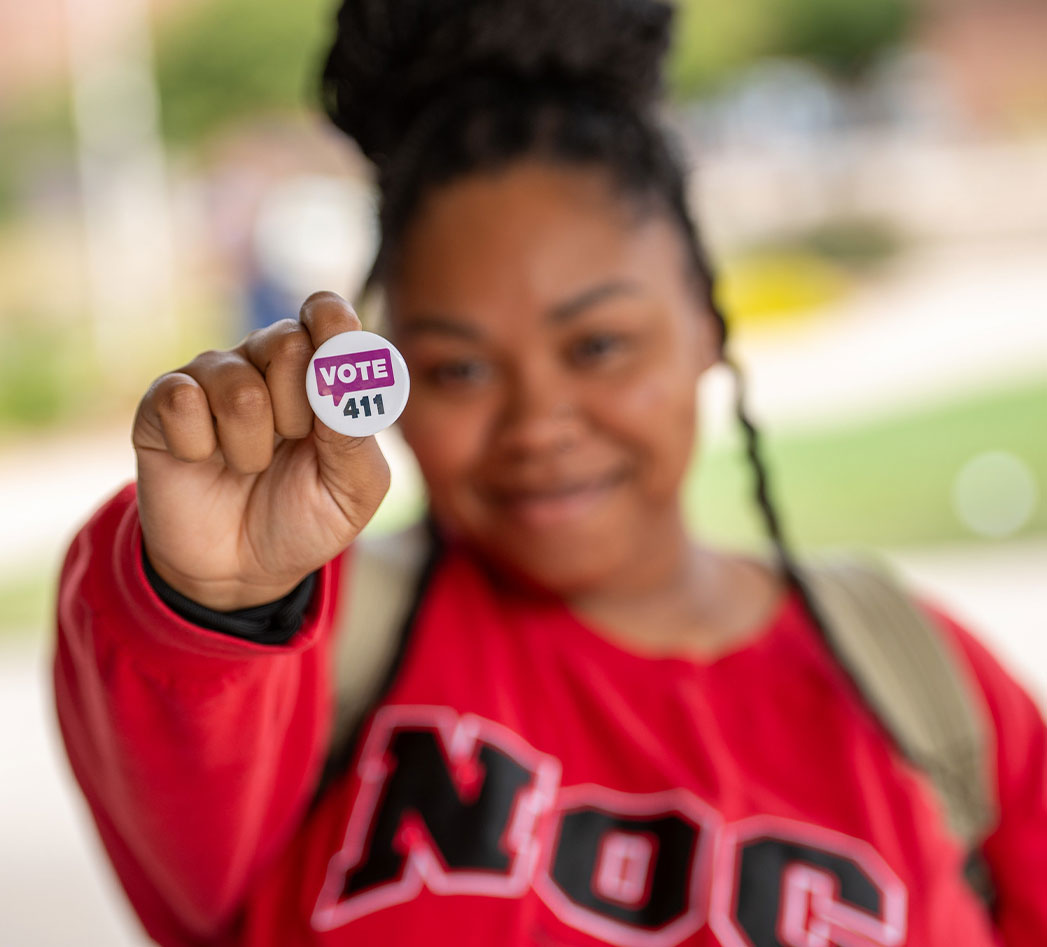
883, 483
27, 600
887, 482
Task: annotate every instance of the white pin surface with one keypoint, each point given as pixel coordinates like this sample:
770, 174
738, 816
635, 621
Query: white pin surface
357, 383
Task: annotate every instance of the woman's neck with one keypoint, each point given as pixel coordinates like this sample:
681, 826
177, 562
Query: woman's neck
685, 599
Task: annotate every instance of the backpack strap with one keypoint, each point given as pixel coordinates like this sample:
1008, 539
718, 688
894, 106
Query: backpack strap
913, 683
383, 575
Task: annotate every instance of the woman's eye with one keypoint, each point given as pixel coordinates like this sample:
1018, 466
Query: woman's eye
598, 348
459, 373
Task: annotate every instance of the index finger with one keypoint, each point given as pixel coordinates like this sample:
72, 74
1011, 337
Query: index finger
325, 315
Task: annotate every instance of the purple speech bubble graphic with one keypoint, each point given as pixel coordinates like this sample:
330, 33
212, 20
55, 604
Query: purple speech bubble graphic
337, 375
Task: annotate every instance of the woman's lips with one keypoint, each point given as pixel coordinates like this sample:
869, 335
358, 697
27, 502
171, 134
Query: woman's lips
555, 505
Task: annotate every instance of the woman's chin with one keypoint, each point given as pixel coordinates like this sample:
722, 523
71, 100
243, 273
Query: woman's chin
563, 562
568, 543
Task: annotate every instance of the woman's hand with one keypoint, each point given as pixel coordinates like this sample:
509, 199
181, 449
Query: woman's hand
242, 492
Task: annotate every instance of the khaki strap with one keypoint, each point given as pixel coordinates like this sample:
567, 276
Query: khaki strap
910, 679
382, 574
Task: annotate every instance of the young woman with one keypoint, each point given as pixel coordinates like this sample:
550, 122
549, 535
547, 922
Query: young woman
598, 729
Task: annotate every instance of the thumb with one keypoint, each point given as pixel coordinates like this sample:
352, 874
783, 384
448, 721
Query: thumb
353, 470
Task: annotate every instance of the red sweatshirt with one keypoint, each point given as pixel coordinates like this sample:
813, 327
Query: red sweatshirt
522, 781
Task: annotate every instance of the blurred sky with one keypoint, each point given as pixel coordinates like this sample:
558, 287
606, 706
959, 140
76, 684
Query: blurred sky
871, 176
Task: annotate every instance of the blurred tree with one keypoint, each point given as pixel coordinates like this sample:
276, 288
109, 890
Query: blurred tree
36, 133
843, 37
225, 58
714, 40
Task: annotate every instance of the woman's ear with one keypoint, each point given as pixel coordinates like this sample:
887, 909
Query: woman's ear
709, 340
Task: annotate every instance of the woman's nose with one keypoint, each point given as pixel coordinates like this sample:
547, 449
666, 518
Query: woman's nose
540, 414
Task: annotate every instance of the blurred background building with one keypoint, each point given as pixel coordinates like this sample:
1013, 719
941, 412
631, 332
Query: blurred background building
871, 176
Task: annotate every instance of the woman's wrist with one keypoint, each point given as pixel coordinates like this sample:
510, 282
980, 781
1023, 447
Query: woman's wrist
273, 621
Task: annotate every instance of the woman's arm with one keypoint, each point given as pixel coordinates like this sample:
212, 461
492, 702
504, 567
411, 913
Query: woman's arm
197, 751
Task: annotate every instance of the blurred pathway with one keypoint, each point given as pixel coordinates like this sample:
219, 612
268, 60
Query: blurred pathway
48, 487
56, 890
957, 318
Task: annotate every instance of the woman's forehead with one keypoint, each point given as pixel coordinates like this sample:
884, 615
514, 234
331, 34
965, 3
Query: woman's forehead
532, 232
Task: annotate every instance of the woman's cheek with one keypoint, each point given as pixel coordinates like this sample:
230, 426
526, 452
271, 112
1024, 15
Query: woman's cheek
658, 416
446, 438
651, 406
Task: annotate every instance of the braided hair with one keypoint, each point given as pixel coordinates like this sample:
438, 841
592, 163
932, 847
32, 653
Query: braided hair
431, 90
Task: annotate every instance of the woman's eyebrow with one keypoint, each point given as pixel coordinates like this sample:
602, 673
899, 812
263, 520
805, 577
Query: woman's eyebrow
562, 312
436, 324
440, 325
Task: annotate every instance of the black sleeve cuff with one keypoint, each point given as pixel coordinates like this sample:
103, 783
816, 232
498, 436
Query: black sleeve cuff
271, 623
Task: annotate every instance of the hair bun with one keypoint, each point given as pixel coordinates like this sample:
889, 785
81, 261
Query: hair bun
391, 57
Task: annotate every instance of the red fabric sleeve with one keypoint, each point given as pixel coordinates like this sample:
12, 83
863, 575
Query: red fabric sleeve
1017, 850
197, 752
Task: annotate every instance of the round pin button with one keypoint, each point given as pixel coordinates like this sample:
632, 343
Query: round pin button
357, 383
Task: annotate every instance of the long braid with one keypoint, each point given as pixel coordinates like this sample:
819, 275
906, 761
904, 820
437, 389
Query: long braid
753, 449
788, 567
787, 564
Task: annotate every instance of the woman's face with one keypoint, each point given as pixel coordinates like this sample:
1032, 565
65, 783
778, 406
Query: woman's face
554, 346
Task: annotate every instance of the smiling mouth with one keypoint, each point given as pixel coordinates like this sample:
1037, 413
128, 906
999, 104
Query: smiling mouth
556, 504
